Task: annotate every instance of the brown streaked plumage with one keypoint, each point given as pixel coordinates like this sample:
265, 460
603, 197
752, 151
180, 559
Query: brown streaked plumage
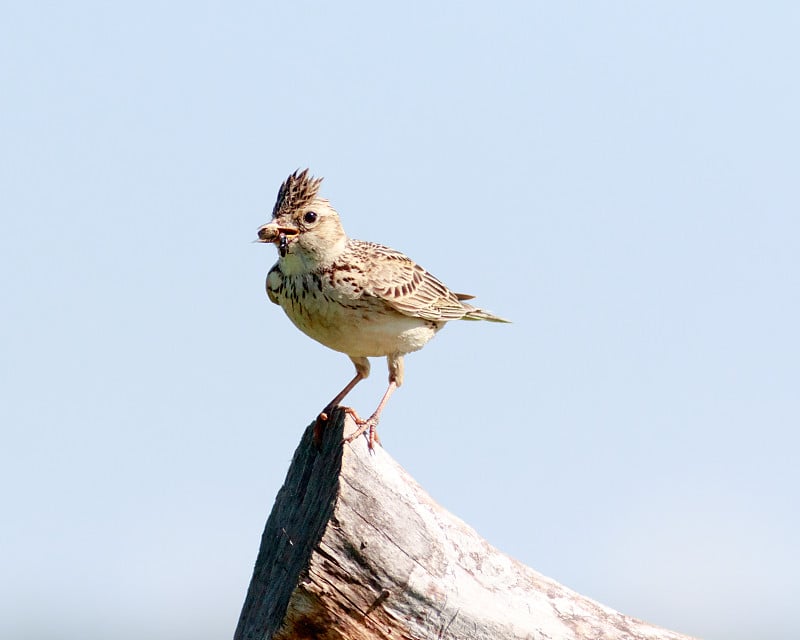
360, 298
298, 191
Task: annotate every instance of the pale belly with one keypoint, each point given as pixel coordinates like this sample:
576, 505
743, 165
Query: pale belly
361, 329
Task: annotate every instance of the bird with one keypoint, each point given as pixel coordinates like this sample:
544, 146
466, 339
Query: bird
360, 298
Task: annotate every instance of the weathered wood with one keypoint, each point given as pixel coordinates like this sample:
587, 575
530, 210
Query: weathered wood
354, 549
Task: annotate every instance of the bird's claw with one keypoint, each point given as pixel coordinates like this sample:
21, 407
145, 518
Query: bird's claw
319, 425
368, 426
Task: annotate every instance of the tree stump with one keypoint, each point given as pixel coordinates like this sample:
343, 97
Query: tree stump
354, 549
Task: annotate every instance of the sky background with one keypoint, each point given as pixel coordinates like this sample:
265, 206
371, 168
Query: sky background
619, 178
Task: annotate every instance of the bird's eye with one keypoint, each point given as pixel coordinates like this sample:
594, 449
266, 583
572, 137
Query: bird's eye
310, 217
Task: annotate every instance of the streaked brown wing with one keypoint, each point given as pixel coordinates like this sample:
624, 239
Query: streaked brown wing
406, 286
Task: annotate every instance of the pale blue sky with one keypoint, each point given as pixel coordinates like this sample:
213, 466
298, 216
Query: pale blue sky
619, 178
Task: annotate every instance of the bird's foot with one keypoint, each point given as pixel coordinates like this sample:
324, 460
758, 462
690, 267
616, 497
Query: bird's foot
319, 424
369, 426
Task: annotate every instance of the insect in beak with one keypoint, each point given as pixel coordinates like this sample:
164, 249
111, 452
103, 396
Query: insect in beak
283, 245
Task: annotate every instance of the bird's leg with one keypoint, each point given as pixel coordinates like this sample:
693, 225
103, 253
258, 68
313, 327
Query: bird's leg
370, 424
340, 396
362, 371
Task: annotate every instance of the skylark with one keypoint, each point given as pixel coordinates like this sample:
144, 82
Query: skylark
360, 298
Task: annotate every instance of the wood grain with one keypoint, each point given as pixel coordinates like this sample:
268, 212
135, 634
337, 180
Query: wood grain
355, 549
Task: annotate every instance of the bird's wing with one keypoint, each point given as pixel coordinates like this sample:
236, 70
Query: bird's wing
405, 286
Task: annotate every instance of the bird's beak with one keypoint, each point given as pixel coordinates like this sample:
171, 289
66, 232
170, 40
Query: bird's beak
272, 232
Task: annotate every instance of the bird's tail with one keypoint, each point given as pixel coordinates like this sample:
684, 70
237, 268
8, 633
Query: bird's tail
473, 313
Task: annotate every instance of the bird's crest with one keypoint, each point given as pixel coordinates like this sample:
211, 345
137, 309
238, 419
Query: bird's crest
298, 191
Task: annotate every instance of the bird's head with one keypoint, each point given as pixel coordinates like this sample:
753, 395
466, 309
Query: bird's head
304, 227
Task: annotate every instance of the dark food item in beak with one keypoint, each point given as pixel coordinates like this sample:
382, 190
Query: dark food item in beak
283, 246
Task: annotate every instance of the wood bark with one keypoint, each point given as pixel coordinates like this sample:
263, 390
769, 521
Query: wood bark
354, 549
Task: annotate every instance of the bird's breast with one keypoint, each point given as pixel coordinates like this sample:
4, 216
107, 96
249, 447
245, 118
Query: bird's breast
345, 319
